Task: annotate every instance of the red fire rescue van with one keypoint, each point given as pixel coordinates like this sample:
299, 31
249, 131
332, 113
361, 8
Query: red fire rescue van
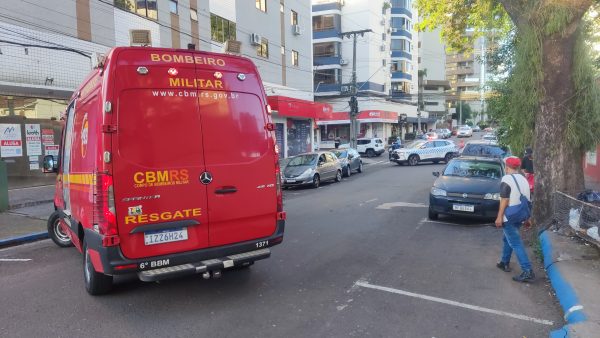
168, 167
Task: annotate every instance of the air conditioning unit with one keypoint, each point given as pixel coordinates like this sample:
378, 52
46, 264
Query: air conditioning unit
343, 62
140, 37
382, 22
255, 39
394, 30
382, 48
296, 29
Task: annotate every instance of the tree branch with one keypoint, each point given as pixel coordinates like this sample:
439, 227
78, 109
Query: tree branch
516, 11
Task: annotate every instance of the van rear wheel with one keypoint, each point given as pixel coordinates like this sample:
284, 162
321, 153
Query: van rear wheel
96, 283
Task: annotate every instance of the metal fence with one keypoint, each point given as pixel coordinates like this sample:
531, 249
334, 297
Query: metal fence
572, 215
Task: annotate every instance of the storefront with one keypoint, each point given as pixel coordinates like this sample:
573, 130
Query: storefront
335, 126
295, 124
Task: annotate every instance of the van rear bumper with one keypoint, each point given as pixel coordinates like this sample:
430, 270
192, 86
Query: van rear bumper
178, 264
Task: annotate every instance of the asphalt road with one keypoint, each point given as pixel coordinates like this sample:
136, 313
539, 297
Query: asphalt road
359, 259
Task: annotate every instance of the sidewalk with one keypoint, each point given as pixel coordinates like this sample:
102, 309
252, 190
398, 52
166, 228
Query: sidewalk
26, 220
573, 268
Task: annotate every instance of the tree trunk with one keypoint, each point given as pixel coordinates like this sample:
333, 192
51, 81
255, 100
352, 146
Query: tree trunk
558, 166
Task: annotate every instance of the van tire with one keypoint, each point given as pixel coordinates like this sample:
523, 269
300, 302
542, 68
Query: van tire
96, 283
316, 181
55, 232
370, 153
413, 160
338, 176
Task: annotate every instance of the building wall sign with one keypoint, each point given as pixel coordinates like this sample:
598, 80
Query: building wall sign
11, 144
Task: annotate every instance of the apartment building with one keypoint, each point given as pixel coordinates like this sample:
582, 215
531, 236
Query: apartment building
432, 64
385, 65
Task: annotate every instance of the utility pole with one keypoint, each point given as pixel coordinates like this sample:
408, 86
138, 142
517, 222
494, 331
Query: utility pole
459, 111
353, 100
420, 105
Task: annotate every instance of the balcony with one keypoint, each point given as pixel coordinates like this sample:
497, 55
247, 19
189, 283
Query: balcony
400, 10
332, 5
399, 94
326, 60
402, 32
401, 75
328, 87
401, 54
459, 58
327, 33
461, 71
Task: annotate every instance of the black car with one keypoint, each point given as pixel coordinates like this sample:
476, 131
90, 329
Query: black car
468, 186
349, 160
485, 148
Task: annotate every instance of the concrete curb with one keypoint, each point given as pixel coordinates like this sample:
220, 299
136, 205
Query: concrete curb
573, 311
23, 239
28, 204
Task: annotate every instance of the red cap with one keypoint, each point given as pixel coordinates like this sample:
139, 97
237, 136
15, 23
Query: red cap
513, 162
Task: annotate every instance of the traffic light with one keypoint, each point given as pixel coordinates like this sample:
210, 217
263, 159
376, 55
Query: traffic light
353, 105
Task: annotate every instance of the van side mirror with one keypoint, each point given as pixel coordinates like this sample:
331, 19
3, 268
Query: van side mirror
50, 164
436, 173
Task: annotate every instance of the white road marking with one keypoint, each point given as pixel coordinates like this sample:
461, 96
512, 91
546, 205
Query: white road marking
373, 200
438, 222
453, 303
35, 187
15, 259
388, 206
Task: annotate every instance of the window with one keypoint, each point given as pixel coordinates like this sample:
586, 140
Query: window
262, 5
323, 22
263, 48
401, 66
402, 87
221, 29
401, 4
193, 14
326, 49
146, 8
326, 76
383, 37
294, 18
295, 58
400, 45
173, 6
383, 62
401, 23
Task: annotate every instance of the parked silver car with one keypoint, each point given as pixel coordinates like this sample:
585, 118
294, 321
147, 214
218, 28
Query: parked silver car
349, 160
312, 169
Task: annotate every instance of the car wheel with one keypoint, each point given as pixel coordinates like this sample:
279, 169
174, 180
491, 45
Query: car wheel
338, 176
348, 171
413, 160
316, 181
448, 157
96, 283
360, 167
432, 215
370, 153
56, 231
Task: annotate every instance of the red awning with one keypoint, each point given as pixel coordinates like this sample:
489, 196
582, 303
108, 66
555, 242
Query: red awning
289, 106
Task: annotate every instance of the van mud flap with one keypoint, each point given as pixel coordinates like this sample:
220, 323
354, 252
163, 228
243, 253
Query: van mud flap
207, 266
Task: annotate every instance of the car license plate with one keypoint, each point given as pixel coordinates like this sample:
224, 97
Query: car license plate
290, 181
463, 207
165, 236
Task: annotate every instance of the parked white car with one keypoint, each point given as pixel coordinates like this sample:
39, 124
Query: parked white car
464, 131
370, 146
425, 151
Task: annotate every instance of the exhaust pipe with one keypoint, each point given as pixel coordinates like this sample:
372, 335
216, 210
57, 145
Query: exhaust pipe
206, 275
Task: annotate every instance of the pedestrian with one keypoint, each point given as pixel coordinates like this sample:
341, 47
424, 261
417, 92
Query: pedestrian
527, 167
513, 212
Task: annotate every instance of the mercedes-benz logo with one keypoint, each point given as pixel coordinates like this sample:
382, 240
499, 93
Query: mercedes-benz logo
465, 195
205, 178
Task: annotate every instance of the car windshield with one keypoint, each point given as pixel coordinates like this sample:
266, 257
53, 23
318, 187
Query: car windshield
464, 128
416, 144
488, 150
301, 160
467, 168
341, 153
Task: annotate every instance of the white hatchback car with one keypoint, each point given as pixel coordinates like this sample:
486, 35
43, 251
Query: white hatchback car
464, 131
370, 146
425, 151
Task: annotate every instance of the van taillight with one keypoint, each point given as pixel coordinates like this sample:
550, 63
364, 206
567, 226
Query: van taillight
279, 192
105, 216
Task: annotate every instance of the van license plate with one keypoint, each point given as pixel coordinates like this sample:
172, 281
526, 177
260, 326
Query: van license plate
165, 236
463, 207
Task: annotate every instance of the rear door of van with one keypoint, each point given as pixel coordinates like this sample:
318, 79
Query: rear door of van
239, 154
158, 157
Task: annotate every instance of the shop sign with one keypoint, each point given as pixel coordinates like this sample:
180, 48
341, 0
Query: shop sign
33, 138
51, 149
47, 136
11, 144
